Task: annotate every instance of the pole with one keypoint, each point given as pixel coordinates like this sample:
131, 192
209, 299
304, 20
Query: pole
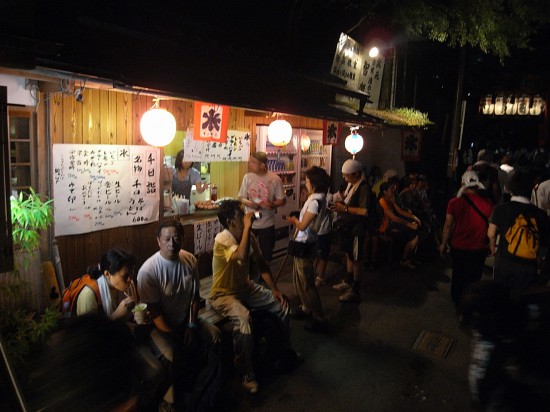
453, 145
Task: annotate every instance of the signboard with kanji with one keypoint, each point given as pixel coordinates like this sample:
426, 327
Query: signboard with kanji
99, 187
235, 148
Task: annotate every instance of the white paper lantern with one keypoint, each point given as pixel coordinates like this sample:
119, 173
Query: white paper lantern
158, 127
279, 133
305, 142
354, 142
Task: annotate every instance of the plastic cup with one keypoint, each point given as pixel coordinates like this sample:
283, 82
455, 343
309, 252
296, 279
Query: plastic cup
140, 310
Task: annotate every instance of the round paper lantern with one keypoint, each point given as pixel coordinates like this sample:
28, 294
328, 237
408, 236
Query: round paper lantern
158, 127
279, 133
305, 142
354, 143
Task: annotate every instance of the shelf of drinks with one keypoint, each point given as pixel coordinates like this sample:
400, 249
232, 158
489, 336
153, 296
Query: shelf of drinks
280, 153
284, 172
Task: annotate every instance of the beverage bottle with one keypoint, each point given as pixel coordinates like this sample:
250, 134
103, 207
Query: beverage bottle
214, 193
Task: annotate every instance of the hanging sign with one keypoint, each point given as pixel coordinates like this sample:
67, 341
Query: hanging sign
204, 233
211, 122
235, 148
411, 145
331, 132
99, 187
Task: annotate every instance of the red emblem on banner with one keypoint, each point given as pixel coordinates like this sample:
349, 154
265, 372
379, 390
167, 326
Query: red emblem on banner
211, 122
331, 132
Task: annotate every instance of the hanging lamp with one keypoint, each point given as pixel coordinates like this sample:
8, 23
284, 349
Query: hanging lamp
354, 142
157, 126
279, 133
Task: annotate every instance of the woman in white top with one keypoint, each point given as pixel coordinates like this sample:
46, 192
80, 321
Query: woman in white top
185, 176
307, 226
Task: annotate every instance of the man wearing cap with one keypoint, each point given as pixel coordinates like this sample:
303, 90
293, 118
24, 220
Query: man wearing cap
262, 190
353, 211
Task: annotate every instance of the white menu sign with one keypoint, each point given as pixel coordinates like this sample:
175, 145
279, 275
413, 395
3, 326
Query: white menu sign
235, 149
204, 233
99, 187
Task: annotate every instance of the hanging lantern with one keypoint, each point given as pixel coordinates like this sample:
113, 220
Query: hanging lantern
354, 142
157, 126
279, 133
305, 142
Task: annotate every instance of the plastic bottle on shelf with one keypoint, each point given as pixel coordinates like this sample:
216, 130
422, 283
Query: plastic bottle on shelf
214, 193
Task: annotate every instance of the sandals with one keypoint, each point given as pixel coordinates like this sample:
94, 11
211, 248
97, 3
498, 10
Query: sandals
319, 281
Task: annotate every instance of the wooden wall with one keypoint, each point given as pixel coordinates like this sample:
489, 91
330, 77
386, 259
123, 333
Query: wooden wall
110, 117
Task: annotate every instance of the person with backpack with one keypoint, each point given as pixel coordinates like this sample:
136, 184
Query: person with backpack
465, 230
313, 216
352, 212
523, 230
103, 289
108, 290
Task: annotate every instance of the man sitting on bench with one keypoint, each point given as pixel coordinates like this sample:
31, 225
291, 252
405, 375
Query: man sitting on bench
233, 293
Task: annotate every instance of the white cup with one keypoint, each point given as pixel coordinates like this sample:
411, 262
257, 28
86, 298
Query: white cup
140, 310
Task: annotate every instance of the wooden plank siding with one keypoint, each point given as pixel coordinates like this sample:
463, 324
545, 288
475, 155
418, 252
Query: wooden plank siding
111, 117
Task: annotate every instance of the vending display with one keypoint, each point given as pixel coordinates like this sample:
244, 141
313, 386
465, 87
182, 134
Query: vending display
289, 162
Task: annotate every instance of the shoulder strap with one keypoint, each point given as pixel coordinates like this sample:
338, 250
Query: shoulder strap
467, 199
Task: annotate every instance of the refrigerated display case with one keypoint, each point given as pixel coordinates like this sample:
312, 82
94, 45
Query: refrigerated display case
290, 163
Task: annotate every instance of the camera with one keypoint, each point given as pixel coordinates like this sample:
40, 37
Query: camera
256, 215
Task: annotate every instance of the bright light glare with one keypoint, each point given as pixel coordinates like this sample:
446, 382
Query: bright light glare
373, 52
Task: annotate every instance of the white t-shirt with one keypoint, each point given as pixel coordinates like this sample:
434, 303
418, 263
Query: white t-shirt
265, 187
312, 204
171, 284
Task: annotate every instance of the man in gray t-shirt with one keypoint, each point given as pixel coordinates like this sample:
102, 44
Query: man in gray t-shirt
169, 283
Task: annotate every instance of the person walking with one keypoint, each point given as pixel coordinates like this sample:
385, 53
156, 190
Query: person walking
465, 229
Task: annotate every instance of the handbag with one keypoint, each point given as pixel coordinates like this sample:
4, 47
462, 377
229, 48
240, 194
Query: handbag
300, 249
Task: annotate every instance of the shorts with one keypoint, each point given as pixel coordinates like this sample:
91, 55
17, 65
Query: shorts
324, 243
401, 232
352, 246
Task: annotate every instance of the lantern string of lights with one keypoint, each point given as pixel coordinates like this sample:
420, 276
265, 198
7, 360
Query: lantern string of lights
157, 126
354, 141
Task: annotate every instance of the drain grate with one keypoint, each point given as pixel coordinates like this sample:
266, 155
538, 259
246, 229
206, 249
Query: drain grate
434, 343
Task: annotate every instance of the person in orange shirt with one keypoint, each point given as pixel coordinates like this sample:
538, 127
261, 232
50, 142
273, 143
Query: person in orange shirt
398, 222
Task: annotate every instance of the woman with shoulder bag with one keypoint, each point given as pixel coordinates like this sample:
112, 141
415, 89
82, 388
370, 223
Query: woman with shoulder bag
315, 207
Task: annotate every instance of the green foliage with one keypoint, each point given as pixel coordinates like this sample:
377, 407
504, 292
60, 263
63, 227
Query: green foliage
495, 26
401, 117
29, 215
21, 331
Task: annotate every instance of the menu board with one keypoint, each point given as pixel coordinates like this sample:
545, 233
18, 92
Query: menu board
235, 149
99, 187
204, 233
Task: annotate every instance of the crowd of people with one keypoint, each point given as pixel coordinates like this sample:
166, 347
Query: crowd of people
177, 362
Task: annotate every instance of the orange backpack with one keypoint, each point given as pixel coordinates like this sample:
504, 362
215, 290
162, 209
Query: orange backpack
71, 293
523, 237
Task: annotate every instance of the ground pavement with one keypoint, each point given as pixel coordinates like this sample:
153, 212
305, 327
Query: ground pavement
366, 361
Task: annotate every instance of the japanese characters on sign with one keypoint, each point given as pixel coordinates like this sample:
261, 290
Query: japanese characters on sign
204, 233
411, 145
211, 122
99, 187
331, 132
236, 148
361, 72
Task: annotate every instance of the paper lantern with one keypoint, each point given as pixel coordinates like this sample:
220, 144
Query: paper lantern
305, 142
158, 126
279, 133
354, 142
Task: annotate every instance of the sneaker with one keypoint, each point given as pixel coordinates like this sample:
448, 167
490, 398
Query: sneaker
166, 406
407, 264
317, 326
350, 297
319, 281
342, 286
300, 313
250, 384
